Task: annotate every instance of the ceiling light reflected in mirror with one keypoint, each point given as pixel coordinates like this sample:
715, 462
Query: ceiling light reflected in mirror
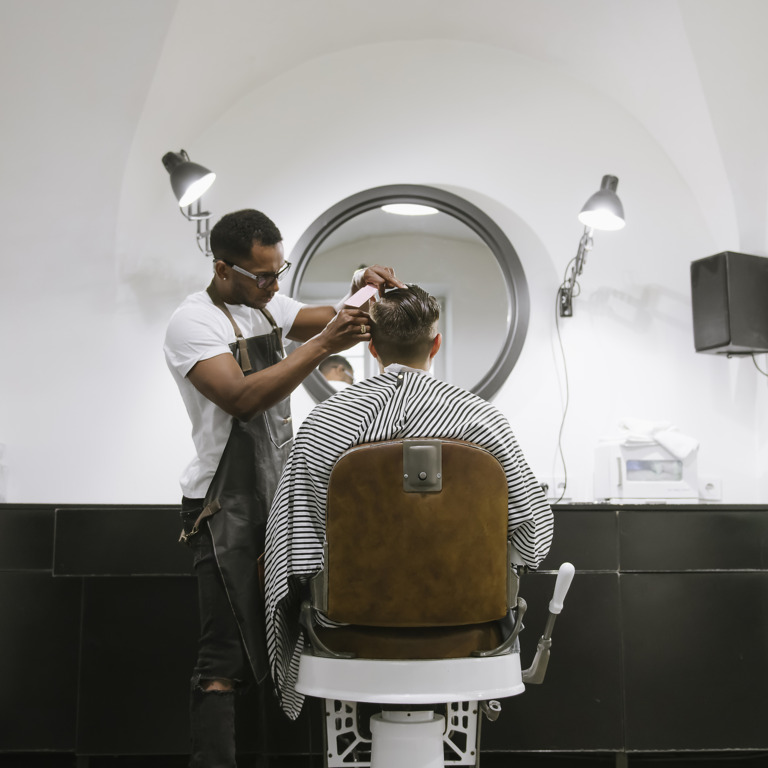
409, 209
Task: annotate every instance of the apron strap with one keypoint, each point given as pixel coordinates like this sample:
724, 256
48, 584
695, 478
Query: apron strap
269, 317
209, 511
276, 330
245, 362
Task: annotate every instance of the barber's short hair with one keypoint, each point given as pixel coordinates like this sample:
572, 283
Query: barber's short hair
404, 323
233, 236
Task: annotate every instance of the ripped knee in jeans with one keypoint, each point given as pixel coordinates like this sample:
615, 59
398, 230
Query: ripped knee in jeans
214, 684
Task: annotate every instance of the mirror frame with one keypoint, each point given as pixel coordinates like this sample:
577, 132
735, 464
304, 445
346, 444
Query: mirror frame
518, 299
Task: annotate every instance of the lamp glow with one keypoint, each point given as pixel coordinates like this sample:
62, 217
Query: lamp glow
196, 189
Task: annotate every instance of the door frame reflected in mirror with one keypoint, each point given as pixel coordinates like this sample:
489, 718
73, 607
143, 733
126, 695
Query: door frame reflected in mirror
518, 300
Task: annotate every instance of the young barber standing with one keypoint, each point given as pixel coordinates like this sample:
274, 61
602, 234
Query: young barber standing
224, 349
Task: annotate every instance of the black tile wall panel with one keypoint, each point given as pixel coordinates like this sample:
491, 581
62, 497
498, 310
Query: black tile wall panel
676, 539
26, 538
696, 660
584, 537
579, 704
119, 542
671, 660
139, 648
282, 736
39, 649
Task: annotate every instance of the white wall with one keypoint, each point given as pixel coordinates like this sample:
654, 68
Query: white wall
525, 143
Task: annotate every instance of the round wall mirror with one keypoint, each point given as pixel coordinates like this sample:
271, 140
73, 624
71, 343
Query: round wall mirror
458, 254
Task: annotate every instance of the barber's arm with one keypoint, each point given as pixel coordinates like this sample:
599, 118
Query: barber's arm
310, 320
220, 379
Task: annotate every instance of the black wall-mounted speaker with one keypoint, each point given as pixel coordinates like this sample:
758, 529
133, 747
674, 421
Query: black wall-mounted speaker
729, 293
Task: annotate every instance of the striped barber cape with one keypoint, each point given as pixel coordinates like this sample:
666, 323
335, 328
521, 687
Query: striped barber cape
400, 403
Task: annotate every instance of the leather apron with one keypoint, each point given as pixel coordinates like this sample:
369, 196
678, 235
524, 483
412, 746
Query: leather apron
241, 492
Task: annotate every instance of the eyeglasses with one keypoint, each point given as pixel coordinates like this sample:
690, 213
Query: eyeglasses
264, 279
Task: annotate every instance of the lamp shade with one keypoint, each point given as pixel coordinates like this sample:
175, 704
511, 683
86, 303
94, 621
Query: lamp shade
604, 209
189, 180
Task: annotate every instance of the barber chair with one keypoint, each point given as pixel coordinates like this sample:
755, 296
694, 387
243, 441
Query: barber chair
419, 571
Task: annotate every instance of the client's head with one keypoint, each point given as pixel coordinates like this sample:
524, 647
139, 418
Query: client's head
405, 328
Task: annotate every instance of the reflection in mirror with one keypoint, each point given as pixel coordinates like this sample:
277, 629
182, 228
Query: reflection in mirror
459, 255
442, 255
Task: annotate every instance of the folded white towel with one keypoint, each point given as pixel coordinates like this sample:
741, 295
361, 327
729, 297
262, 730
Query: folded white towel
662, 432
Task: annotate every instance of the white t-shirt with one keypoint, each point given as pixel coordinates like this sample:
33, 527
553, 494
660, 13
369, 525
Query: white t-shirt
198, 330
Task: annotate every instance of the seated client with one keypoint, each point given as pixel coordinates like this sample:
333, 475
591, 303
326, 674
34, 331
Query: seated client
402, 402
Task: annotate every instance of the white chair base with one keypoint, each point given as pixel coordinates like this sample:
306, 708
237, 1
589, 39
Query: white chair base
421, 738
407, 740
346, 745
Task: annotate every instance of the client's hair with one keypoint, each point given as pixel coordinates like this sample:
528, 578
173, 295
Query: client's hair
236, 233
404, 324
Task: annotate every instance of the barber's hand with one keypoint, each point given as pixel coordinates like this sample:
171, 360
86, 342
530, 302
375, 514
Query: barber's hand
381, 277
349, 327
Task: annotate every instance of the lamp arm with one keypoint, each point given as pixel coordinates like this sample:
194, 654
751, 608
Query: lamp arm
565, 294
201, 219
203, 237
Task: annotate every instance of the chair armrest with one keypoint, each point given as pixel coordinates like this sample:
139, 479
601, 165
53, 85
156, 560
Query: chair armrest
318, 585
506, 646
319, 648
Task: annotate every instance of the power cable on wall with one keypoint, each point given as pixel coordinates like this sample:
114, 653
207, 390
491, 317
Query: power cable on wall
754, 360
603, 210
577, 287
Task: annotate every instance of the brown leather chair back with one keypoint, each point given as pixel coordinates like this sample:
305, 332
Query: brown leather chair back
417, 558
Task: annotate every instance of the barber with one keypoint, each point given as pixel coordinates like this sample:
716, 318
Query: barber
224, 349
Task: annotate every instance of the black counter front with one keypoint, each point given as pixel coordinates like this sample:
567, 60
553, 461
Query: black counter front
663, 642
662, 645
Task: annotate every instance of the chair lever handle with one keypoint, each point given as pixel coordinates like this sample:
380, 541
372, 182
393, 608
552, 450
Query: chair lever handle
534, 675
562, 583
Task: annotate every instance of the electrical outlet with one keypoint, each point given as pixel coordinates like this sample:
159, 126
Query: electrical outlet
710, 488
553, 488
559, 488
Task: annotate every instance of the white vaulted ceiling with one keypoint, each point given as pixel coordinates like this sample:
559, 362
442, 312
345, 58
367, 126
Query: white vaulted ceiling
86, 82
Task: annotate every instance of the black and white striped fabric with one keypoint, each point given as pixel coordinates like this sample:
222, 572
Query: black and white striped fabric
400, 403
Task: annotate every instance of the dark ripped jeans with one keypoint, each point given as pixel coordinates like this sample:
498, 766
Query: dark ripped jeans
220, 653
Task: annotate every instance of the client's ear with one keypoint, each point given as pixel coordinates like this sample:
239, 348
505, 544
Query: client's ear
436, 345
372, 350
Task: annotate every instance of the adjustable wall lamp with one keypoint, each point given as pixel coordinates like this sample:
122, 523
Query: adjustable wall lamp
189, 182
602, 211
